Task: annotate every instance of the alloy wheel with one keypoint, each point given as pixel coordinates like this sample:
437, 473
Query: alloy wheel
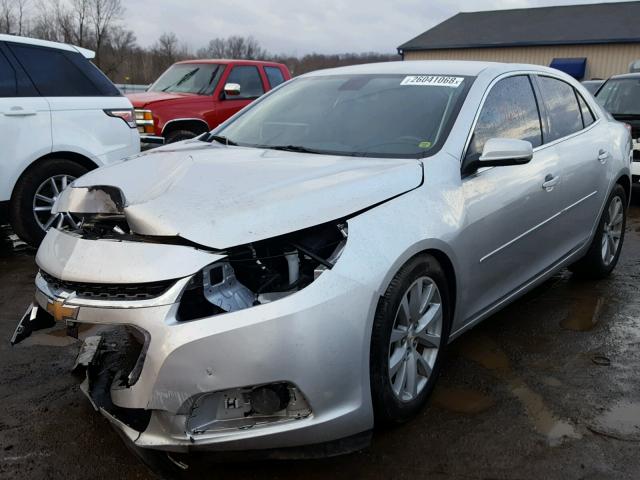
44, 199
415, 339
612, 230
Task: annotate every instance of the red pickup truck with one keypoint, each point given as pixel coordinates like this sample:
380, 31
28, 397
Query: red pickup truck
194, 96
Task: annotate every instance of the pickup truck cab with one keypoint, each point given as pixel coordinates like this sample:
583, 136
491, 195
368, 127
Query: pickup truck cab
195, 96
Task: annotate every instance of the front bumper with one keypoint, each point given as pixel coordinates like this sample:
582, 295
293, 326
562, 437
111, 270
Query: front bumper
315, 339
150, 141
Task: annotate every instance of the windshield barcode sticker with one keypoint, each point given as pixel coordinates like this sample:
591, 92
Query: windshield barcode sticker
432, 80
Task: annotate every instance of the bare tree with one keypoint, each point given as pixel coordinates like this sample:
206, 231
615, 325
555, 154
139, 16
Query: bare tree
103, 13
233, 47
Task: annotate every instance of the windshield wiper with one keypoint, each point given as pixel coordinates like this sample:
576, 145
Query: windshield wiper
220, 139
292, 148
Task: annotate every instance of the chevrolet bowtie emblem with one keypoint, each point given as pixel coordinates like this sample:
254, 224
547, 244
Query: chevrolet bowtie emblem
60, 312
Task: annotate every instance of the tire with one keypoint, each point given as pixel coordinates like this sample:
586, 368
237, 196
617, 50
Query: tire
179, 135
594, 265
391, 404
21, 208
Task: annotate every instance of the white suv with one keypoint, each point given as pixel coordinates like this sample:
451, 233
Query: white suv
60, 117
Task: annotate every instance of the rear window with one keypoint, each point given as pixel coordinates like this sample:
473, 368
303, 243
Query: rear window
562, 107
7, 78
275, 76
58, 73
621, 96
587, 114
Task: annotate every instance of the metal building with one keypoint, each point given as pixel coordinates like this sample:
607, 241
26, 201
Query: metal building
587, 41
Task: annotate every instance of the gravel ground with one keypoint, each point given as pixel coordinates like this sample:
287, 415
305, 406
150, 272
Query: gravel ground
547, 388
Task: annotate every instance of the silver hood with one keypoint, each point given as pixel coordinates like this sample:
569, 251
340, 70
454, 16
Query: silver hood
226, 196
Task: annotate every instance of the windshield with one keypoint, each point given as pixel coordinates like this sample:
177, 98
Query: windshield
359, 115
198, 78
621, 96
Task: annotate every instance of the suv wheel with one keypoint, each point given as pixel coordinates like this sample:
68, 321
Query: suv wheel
34, 196
409, 337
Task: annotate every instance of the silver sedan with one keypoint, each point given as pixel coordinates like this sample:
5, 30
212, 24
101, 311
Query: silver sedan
292, 279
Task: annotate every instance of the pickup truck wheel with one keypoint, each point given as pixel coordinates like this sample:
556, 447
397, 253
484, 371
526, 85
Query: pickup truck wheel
34, 196
179, 135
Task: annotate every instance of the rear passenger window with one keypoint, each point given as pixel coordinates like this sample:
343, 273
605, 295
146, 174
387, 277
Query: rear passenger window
510, 111
587, 114
274, 75
562, 107
7, 78
249, 80
53, 74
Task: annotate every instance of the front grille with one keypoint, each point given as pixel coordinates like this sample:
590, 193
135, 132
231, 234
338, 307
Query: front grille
110, 291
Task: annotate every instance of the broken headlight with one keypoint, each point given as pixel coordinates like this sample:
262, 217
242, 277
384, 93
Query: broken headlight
263, 272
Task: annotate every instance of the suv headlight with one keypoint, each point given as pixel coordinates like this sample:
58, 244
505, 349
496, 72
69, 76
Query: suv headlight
263, 272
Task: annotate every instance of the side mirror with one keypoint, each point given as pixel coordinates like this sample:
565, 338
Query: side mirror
498, 152
231, 90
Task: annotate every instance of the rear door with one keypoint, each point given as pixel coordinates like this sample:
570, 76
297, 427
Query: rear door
251, 87
508, 238
78, 95
25, 123
583, 148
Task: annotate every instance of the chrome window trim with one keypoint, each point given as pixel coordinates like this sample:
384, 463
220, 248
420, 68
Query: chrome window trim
517, 73
185, 120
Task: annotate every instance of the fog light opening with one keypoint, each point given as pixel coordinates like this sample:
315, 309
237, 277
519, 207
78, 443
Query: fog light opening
270, 399
248, 407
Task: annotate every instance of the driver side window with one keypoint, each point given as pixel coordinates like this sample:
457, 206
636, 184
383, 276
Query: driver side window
248, 78
509, 111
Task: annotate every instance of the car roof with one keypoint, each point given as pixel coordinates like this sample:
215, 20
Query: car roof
434, 67
46, 43
226, 61
626, 75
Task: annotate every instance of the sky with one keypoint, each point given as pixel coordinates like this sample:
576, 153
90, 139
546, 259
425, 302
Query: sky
297, 27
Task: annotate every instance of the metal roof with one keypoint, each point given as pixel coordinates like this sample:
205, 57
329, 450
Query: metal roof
561, 25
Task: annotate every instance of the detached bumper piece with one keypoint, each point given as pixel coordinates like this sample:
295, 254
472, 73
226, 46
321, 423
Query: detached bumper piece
113, 360
35, 318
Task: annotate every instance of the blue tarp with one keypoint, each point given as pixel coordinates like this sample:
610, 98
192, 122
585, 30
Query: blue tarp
571, 66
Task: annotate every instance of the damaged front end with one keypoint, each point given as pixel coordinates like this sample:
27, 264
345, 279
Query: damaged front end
195, 346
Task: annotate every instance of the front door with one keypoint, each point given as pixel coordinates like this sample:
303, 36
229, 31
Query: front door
506, 239
251, 87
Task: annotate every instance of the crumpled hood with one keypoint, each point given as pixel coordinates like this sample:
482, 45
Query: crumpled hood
140, 100
227, 196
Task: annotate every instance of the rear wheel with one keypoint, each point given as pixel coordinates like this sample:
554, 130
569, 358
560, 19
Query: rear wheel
603, 254
35, 193
410, 334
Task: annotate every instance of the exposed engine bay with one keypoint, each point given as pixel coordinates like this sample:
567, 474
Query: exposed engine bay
250, 275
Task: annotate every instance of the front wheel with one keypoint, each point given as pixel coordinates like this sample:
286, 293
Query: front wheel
604, 252
410, 334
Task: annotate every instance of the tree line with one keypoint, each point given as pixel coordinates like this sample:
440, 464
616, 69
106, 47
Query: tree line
99, 25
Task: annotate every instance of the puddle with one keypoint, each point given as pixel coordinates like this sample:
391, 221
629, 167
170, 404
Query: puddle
461, 400
58, 336
622, 421
583, 314
487, 353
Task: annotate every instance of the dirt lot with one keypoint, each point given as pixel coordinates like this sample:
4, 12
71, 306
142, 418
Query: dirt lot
548, 388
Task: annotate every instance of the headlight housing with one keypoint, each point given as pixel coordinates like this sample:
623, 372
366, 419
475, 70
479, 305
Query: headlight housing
144, 121
263, 272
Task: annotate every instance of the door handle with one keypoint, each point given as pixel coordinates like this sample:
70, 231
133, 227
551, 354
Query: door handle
603, 155
549, 182
19, 112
